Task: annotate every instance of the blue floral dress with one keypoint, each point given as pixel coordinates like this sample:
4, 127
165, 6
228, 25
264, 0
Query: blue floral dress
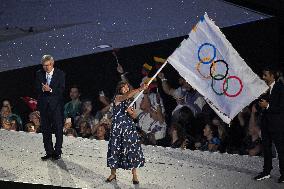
124, 149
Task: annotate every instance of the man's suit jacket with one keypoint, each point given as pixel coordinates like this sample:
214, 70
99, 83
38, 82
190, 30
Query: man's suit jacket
274, 114
52, 99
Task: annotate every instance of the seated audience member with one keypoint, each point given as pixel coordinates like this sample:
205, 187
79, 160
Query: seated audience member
193, 129
252, 143
100, 133
10, 121
185, 95
238, 130
72, 108
5, 124
85, 129
34, 122
68, 129
211, 141
30, 128
106, 110
177, 136
222, 133
14, 116
106, 122
70, 132
86, 116
151, 121
153, 95
67, 125
186, 118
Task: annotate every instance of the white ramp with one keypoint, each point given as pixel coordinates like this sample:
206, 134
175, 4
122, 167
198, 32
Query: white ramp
83, 165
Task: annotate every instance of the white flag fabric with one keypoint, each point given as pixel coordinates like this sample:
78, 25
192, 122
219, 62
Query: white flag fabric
209, 63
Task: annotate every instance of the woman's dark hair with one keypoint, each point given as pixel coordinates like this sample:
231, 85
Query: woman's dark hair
180, 131
214, 130
71, 131
86, 124
119, 86
185, 116
7, 108
82, 108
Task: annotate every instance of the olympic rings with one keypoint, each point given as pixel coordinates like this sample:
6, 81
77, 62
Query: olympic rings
222, 93
222, 76
214, 51
217, 77
226, 82
198, 65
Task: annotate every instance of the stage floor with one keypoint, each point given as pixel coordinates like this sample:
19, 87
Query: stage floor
83, 165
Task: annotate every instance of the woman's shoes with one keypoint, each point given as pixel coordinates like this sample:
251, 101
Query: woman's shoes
111, 178
135, 181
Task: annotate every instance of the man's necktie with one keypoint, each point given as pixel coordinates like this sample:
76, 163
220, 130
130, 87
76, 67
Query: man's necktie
48, 79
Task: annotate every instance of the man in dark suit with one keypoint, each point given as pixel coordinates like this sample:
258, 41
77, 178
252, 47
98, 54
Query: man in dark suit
272, 126
50, 85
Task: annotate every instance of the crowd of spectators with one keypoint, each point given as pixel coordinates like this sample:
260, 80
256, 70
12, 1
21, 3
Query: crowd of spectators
191, 125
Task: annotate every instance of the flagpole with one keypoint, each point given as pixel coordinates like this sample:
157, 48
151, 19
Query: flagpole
141, 92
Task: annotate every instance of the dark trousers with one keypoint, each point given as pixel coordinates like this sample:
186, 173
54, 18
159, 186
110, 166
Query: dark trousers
278, 139
52, 120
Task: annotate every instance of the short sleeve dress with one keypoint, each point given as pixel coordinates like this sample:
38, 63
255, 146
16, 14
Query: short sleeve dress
124, 148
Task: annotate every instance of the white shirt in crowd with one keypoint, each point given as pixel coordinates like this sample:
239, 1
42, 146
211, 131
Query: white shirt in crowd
153, 101
194, 100
149, 125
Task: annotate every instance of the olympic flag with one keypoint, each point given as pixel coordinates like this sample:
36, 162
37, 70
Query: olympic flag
209, 63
